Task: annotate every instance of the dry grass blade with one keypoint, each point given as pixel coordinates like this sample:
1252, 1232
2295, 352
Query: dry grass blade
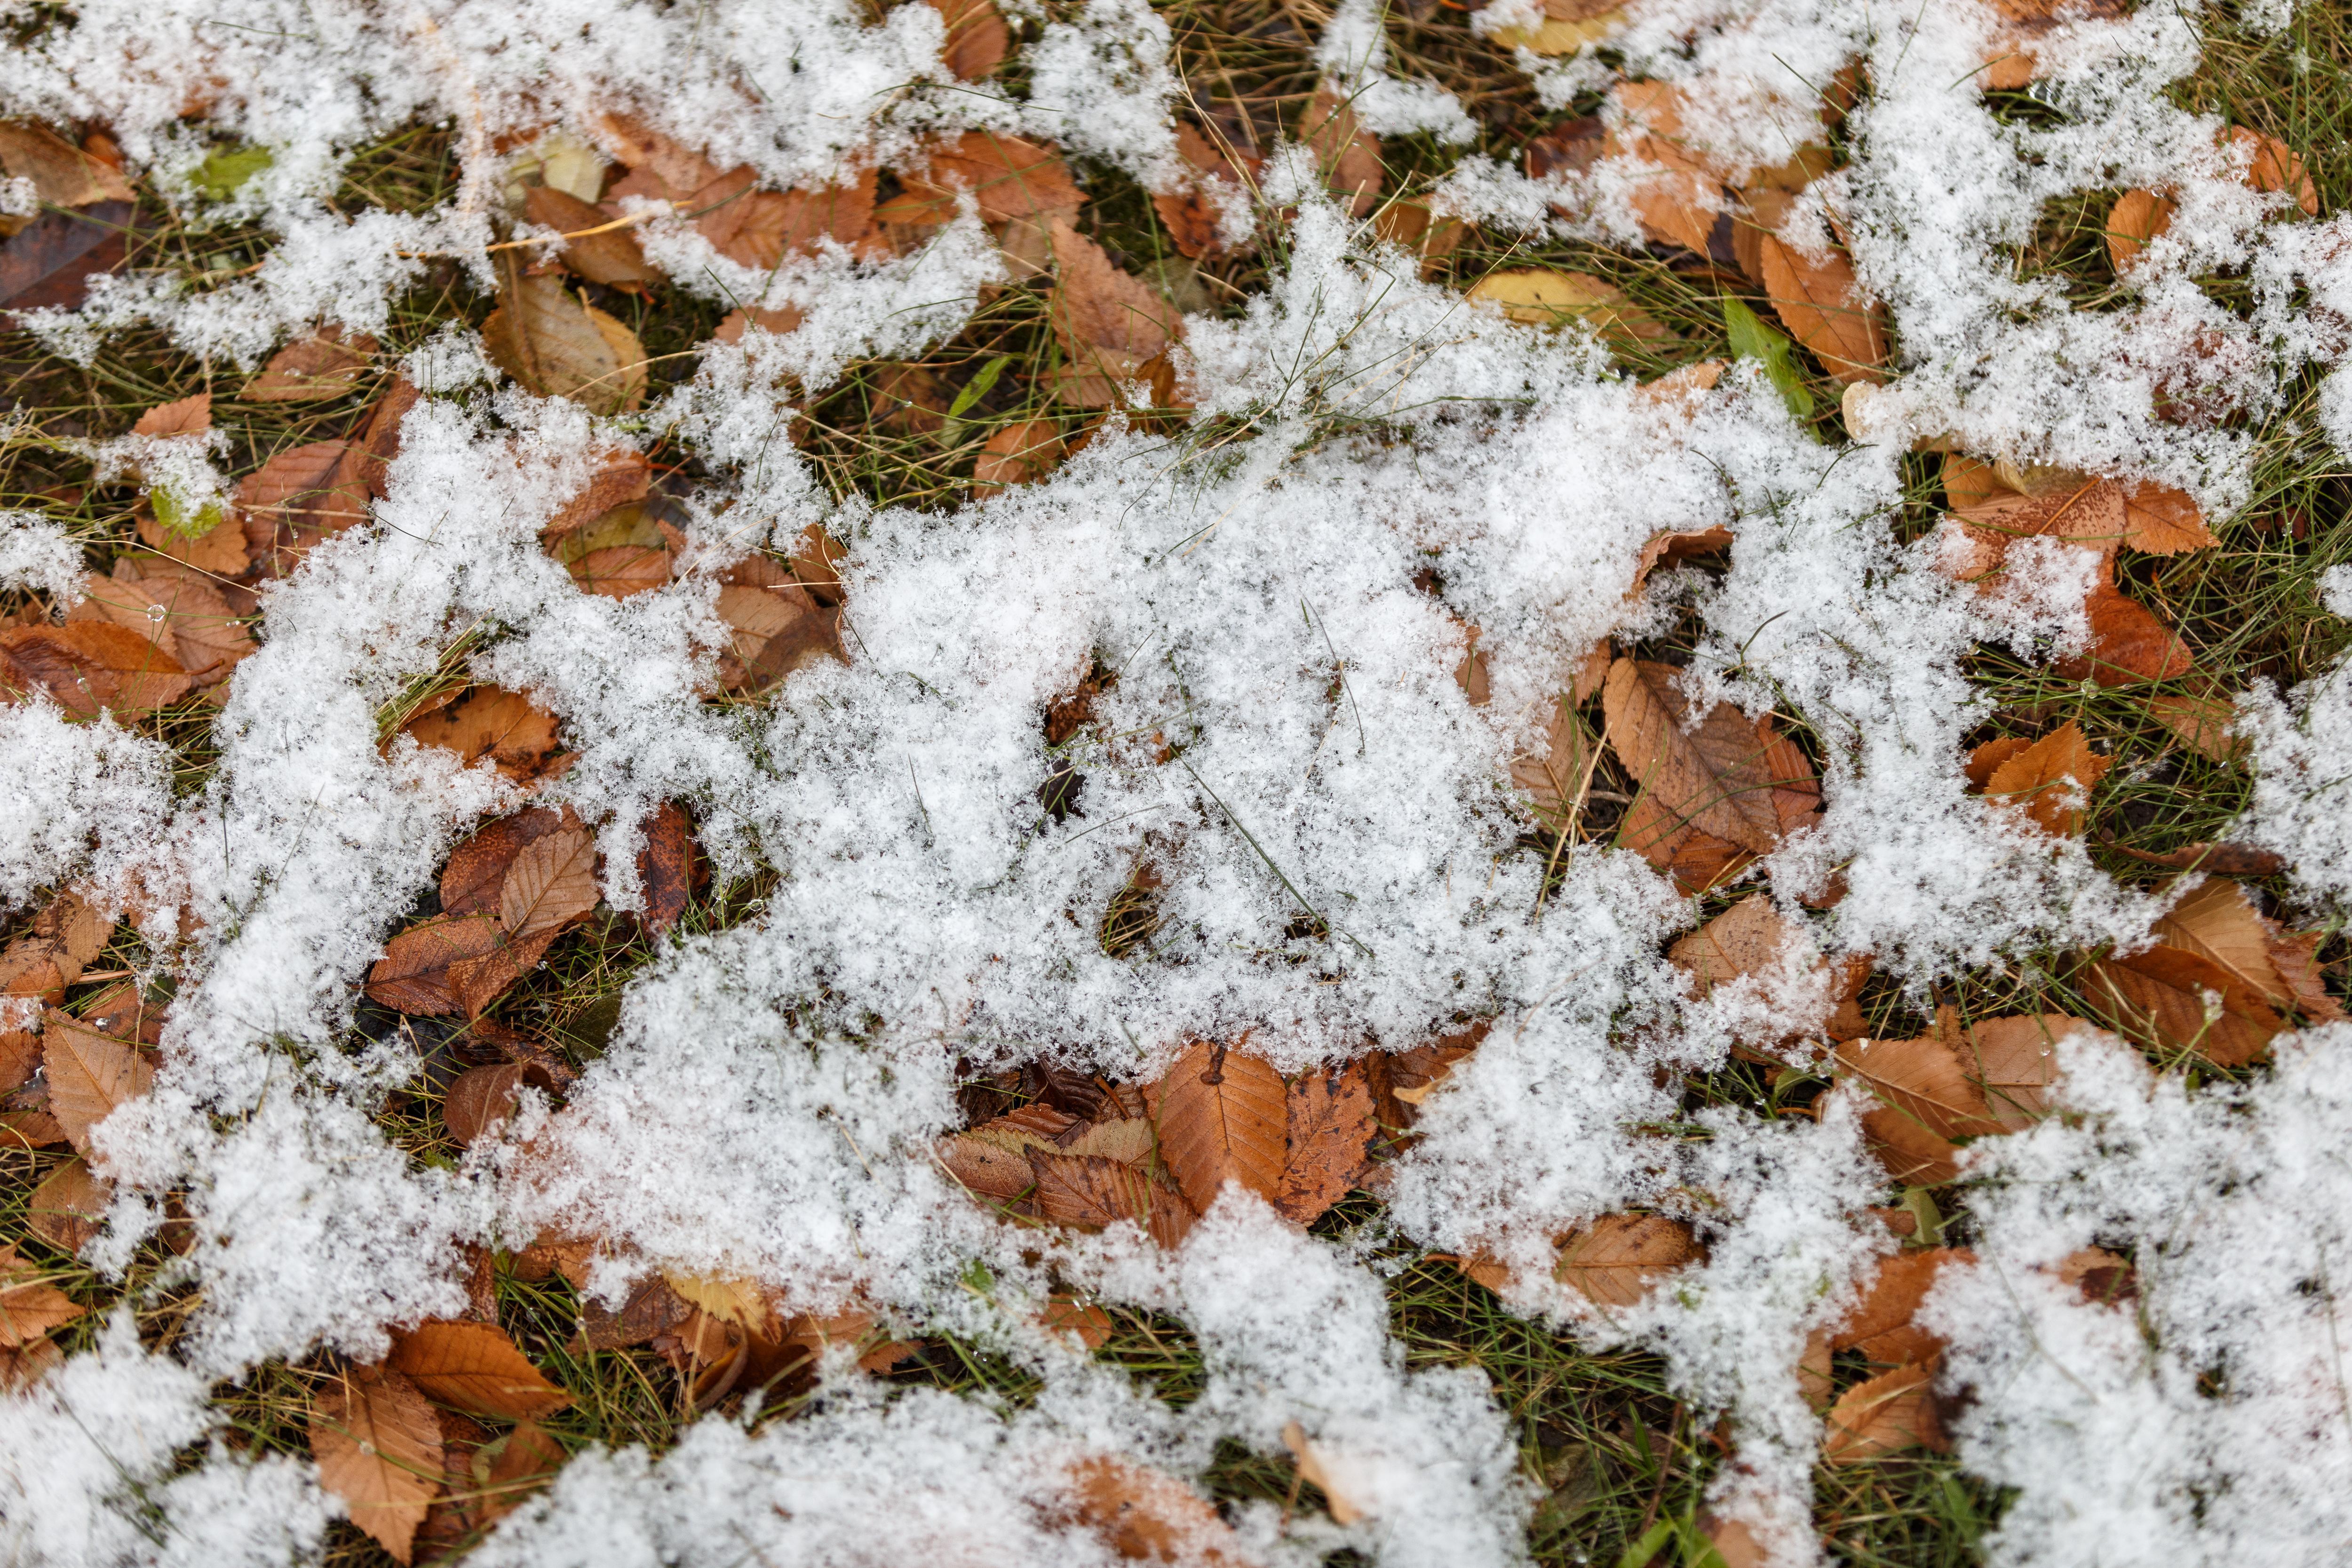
476, 1367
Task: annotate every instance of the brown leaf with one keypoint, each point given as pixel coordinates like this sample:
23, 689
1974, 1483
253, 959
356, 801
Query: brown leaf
1925, 1101
1009, 178
1720, 777
650, 1309
30, 1363
379, 1448
621, 477
2161, 996
977, 38
479, 1097
50, 261
1750, 938
187, 417
2275, 168
1880, 1325
2215, 921
909, 400
86, 666
89, 1075
476, 1367
477, 872
1824, 309
2129, 643
618, 572
552, 883
1223, 1115
63, 175
1090, 1191
1109, 325
594, 252
2088, 512
2047, 778
666, 866
522, 1462
1194, 212
1556, 777
559, 346
1328, 1139
2163, 520
66, 1210
2012, 1063
2202, 723
988, 1167
1065, 1314
478, 981
297, 499
1613, 1261
1544, 298
1126, 1139
1348, 155
774, 632
1890, 1413
516, 734
412, 975
2136, 218
1146, 1513
324, 364
196, 627
1019, 453
29, 1306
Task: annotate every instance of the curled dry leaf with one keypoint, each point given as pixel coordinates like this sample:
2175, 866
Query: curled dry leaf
557, 345
89, 1075
591, 251
515, 733
86, 667
1224, 1116
1327, 1139
2138, 218
522, 1462
324, 364
1142, 1513
1925, 1101
668, 867
2047, 779
1021, 452
2273, 167
1887, 1415
1544, 298
1346, 1493
476, 1367
378, 1447
1348, 155
1823, 307
29, 1305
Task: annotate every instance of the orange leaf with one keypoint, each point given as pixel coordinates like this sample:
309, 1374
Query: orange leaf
2129, 643
66, 1209
1146, 1513
2163, 520
1925, 1101
2180, 1000
86, 666
188, 416
2044, 779
1823, 308
515, 733
91, 1074
1021, 452
476, 871
1891, 1412
1720, 777
1613, 1261
1223, 1115
29, 1306
324, 364
1880, 1325
977, 38
379, 1448
1348, 155
1091, 1191
2137, 217
479, 1098
1109, 323
1329, 1133
476, 1367
1009, 178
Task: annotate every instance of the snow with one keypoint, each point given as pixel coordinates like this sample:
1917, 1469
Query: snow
736, 1128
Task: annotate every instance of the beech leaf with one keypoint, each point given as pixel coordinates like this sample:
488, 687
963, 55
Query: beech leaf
1613, 1261
1328, 1139
90, 1075
552, 883
378, 1447
1888, 1414
476, 1367
1224, 1116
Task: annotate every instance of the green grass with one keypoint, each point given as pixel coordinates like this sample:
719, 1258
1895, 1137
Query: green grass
1609, 1448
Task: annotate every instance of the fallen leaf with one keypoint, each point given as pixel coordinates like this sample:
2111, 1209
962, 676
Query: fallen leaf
1019, 453
551, 883
1568, 25
1346, 1494
2221, 860
2163, 520
2048, 778
29, 1305
378, 1447
1823, 307
2184, 1002
90, 1074
49, 262
324, 364
1675, 197
2012, 1062
1109, 325
559, 346
650, 1309
1090, 1191
474, 1366
186, 416
1008, 178
666, 866
1733, 1541
27, 1364
604, 508
977, 38
1557, 776
85, 667
2215, 921
516, 734
521, 1463
2275, 167
481, 1098
1141, 1512
66, 1210
1327, 1138
1348, 155
1223, 1115
476, 982
1193, 211
2136, 218
1614, 1260
1888, 1414
62, 174
1925, 1103
1065, 1314
2203, 721
174, 608
774, 632
2129, 643
594, 251
412, 975
1126, 1139
1753, 938
1881, 1323
297, 499
1722, 778
1541, 297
